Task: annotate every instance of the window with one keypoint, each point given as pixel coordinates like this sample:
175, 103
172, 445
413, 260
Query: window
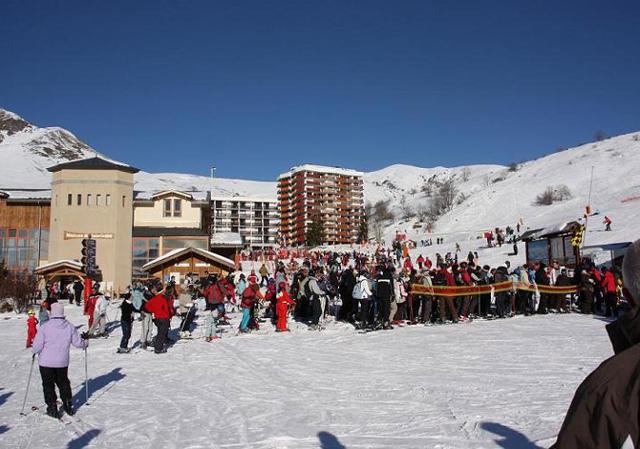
107, 199
167, 208
79, 199
69, 199
98, 200
56, 200
124, 198
169, 244
177, 208
89, 199
20, 248
144, 251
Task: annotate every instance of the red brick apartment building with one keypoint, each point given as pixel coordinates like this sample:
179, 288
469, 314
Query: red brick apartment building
335, 196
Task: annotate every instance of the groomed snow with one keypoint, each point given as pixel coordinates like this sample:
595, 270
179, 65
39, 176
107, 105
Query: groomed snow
487, 384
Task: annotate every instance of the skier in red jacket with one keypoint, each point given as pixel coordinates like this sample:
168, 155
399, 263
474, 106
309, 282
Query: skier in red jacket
162, 312
32, 330
608, 285
283, 301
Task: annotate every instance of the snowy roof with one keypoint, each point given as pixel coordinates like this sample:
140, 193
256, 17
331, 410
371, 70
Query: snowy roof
26, 194
599, 238
557, 228
93, 163
72, 263
181, 251
321, 169
226, 239
196, 195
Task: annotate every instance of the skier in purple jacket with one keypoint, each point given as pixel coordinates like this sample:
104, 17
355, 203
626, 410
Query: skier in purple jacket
52, 346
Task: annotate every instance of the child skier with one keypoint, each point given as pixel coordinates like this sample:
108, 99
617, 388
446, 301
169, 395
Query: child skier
283, 300
211, 328
32, 330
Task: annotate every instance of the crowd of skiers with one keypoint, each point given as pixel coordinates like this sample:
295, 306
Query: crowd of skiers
370, 291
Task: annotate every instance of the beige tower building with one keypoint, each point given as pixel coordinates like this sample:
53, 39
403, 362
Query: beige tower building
94, 197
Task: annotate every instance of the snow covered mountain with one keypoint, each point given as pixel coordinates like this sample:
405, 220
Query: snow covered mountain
481, 196
27, 151
490, 196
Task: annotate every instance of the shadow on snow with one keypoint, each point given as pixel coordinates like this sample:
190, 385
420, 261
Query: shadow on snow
84, 439
4, 396
329, 441
96, 384
511, 439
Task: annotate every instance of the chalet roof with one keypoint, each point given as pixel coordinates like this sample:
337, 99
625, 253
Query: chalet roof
179, 252
93, 163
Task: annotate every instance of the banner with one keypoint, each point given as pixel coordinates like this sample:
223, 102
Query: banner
506, 286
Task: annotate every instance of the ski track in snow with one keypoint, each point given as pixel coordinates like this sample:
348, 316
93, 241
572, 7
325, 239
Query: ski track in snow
487, 384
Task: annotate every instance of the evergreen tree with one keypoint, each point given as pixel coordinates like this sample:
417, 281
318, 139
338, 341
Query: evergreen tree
363, 230
315, 233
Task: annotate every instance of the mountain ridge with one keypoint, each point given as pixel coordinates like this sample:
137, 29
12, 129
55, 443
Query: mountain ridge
486, 195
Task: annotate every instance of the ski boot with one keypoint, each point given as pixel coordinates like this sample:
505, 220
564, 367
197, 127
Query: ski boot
52, 410
67, 406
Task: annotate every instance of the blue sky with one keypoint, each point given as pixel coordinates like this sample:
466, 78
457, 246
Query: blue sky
255, 87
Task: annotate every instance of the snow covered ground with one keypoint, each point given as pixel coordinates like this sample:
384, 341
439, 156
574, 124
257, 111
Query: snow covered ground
486, 384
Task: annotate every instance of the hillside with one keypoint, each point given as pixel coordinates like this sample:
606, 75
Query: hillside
498, 196
484, 196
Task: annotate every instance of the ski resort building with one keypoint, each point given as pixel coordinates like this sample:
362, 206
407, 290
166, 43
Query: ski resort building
92, 198
249, 222
329, 195
167, 220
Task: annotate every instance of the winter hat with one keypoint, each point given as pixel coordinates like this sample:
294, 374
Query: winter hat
57, 310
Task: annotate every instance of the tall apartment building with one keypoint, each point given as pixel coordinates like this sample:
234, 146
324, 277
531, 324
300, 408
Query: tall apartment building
254, 219
335, 196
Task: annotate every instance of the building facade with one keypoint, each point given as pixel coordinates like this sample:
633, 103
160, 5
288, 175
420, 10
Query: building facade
24, 228
255, 220
93, 198
330, 195
167, 220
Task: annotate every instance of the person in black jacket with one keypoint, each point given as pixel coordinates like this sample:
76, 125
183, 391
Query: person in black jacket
542, 278
77, 291
347, 282
126, 323
384, 291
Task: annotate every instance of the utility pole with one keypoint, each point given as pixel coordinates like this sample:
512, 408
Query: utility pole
212, 204
587, 210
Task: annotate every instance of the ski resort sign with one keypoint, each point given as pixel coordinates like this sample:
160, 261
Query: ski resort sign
86, 235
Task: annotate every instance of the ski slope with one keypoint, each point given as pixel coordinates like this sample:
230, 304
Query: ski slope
487, 384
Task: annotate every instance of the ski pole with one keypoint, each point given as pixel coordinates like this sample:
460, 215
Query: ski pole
86, 377
26, 393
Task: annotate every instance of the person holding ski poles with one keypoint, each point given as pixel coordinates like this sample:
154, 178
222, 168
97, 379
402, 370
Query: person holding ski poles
52, 347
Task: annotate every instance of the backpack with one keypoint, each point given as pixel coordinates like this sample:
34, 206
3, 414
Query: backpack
358, 290
137, 298
384, 288
307, 291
